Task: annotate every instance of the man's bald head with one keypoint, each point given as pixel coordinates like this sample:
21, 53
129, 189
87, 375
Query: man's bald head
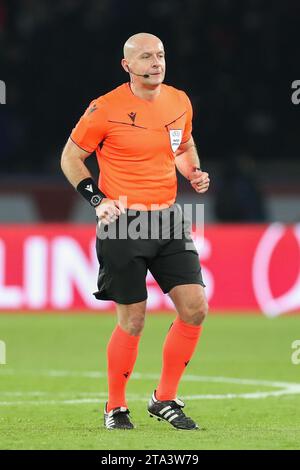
144, 60
140, 42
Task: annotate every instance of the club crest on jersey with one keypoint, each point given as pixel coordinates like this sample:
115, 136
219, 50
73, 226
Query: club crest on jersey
175, 138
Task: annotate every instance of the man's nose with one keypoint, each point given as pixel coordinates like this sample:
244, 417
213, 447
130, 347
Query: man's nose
155, 62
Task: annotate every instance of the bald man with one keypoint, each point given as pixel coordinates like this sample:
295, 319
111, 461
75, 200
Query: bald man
141, 132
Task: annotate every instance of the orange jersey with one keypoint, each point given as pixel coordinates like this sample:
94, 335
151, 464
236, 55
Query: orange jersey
135, 142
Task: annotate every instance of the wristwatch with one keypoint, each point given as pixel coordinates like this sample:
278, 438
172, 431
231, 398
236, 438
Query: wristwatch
96, 200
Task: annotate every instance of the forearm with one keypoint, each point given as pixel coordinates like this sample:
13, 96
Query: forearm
74, 171
187, 161
72, 164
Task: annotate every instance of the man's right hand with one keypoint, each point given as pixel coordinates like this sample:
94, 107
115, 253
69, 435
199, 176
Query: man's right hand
109, 210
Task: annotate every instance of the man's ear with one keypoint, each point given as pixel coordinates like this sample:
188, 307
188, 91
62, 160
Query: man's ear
125, 65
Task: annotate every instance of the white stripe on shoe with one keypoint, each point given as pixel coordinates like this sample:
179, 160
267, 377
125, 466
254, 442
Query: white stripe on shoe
172, 417
168, 413
166, 408
110, 422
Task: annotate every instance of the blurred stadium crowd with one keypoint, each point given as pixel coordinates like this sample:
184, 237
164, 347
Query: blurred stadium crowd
236, 60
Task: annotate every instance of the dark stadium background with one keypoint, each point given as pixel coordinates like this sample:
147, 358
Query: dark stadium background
236, 60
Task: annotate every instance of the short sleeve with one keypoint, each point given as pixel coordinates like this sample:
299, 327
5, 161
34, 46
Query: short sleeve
91, 127
187, 133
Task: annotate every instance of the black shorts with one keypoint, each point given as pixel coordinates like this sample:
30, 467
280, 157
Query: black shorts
137, 241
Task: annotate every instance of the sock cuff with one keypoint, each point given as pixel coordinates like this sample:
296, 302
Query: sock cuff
186, 329
125, 339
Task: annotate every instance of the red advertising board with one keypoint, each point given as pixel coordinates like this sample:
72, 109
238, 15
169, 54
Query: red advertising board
245, 268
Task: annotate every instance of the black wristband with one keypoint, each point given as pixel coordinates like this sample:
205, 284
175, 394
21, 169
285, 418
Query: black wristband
90, 191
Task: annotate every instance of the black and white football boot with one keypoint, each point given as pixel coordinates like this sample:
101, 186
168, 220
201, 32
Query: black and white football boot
171, 412
118, 418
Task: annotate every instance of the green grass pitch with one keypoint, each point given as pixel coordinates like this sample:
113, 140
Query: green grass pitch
238, 386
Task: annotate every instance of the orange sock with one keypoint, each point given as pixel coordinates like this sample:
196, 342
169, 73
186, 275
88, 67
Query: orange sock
179, 346
122, 352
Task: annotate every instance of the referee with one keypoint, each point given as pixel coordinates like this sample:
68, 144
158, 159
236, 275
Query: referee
141, 132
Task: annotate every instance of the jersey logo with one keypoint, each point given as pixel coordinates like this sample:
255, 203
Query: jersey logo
175, 138
132, 116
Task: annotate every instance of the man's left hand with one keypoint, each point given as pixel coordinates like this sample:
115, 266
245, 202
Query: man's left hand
200, 181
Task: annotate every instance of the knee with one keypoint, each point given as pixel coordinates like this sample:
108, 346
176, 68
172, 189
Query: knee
135, 325
195, 312
132, 317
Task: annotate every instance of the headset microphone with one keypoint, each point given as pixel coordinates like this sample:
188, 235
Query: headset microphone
146, 75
